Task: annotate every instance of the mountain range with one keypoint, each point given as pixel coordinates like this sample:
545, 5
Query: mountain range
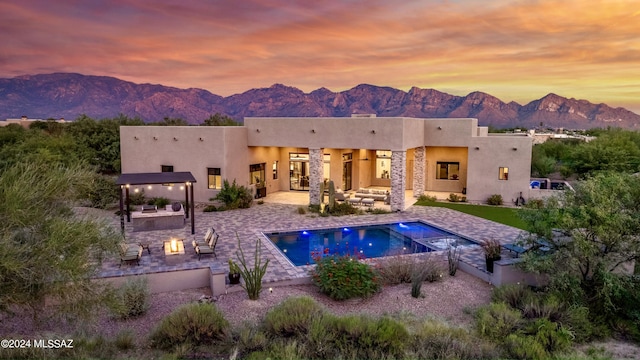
68, 95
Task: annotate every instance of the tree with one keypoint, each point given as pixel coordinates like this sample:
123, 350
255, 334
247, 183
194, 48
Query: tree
592, 234
220, 120
46, 251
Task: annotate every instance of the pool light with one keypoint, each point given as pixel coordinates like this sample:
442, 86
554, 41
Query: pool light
305, 232
345, 229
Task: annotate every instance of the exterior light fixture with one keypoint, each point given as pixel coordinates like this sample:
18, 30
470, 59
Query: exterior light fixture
201, 139
373, 131
175, 139
514, 149
439, 127
477, 148
188, 183
174, 245
257, 130
136, 190
181, 187
270, 290
313, 131
149, 187
127, 186
135, 137
155, 138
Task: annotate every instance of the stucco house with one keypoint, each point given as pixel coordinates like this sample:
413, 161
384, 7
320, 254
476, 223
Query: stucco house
299, 153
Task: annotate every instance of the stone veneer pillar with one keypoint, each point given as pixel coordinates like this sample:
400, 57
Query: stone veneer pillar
398, 180
316, 175
419, 162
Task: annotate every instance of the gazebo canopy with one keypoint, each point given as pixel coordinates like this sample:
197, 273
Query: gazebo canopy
155, 178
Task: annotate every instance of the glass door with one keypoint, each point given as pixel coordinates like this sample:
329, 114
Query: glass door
298, 171
347, 171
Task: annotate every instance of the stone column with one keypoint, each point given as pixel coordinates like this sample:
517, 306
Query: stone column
398, 180
316, 170
419, 163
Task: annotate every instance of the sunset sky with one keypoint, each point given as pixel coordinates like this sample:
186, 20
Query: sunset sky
515, 50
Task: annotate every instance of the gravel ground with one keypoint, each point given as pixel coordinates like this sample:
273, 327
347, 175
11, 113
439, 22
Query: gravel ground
446, 299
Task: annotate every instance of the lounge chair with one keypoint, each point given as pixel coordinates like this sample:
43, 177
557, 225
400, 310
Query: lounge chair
517, 249
342, 196
208, 248
130, 253
205, 240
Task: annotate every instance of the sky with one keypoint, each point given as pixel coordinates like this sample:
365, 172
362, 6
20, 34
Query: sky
516, 50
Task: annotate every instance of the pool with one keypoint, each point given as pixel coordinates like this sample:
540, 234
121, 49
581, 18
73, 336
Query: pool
369, 241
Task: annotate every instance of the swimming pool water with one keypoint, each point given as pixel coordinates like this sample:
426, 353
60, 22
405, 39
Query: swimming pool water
369, 241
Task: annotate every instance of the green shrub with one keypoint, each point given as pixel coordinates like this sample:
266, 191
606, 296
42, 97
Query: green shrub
302, 210
131, 299
417, 277
234, 196
497, 320
514, 295
453, 259
427, 198
495, 199
194, 324
524, 347
552, 336
576, 319
377, 211
362, 337
160, 202
210, 208
547, 307
292, 317
104, 192
436, 340
137, 198
341, 209
535, 204
344, 277
454, 198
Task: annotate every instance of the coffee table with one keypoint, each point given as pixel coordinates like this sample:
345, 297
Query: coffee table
368, 201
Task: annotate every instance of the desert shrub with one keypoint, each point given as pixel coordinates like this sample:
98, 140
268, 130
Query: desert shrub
427, 198
431, 269
252, 273
454, 198
210, 208
535, 204
302, 210
524, 347
514, 295
395, 269
251, 338
377, 211
341, 209
547, 307
131, 299
344, 277
103, 193
194, 324
576, 319
292, 317
125, 340
234, 196
437, 340
160, 202
362, 337
417, 278
137, 198
552, 336
495, 199
453, 259
497, 320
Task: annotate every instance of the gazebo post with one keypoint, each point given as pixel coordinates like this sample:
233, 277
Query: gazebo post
193, 214
121, 212
186, 199
127, 202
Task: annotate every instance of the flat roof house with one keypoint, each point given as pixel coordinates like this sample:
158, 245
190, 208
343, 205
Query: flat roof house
298, 154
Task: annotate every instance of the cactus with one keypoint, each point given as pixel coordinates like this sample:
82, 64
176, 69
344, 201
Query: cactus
332, 194
322, 193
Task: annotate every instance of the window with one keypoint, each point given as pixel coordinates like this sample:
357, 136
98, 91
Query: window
383, 164
257, 174
275, 170
448, 170
214, 179
503, 174
167, 168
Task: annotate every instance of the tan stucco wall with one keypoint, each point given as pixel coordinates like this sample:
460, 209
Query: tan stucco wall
196, 148
445, 154
483, 168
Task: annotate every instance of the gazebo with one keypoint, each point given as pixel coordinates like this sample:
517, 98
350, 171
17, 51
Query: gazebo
125, 181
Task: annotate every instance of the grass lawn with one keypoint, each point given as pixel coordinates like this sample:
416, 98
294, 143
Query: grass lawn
503, 215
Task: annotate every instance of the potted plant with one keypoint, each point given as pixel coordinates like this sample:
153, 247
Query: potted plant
234, 272
492, 249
